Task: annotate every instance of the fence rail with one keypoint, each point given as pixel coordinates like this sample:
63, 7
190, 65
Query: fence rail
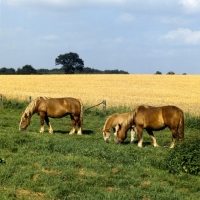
104, 106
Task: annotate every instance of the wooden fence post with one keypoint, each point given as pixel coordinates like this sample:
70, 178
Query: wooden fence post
104, 106
1, 100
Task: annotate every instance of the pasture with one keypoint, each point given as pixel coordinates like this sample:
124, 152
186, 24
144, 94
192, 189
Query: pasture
37, 165
61, 166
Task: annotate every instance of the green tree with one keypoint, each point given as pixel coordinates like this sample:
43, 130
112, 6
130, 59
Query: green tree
7, 71
27, 69
158, 72
70, 62
170, 73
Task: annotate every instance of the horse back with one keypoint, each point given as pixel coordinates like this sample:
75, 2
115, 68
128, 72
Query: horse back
148, 116
59, 107
158, 117
114, 119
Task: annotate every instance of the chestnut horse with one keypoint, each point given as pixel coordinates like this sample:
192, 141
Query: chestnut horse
55, 108
111, 122
152, 119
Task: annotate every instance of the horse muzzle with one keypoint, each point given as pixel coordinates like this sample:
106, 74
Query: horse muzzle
22, 128
107, 140
117, 141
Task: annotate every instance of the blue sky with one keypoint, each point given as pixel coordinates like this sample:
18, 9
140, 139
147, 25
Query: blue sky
138, 36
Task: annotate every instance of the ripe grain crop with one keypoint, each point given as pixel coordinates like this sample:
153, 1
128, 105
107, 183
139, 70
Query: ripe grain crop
118, 90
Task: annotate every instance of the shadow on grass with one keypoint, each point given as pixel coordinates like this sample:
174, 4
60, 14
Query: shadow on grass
144, 144
88, 132
60, 132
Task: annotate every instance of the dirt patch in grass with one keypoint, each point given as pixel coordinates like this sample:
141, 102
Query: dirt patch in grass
29, 194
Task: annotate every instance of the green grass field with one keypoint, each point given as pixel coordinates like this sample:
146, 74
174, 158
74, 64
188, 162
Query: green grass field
63, 166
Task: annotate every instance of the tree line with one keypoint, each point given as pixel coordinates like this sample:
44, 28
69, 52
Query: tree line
70, 63
28, 69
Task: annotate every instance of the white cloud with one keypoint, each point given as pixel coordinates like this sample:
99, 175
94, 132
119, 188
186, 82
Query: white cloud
183, 36
191, 6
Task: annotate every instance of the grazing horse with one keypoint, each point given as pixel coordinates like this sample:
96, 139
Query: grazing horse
152, 119
55, 108
111, 122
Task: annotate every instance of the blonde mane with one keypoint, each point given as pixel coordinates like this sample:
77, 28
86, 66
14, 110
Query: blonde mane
30, 108
105, 124
128, 121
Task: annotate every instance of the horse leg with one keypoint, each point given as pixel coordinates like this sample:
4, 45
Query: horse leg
48, 124
79, 123
42, 122
174, 133
153, 139
133, 132
139, 130
72, 131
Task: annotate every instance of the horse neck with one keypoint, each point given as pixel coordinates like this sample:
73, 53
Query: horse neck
128, 122
31, 108
108, 124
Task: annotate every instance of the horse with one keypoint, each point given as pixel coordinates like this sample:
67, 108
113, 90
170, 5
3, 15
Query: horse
152, 119
47, 107
111, 122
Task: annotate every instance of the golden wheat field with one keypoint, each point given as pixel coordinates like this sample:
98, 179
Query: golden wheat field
118, 90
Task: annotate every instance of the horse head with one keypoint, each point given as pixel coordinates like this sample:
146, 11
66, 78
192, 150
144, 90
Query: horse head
106, 135
25, 121
120, 134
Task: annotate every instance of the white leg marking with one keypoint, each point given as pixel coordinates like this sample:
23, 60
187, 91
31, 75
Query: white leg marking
132, 135
79, 131
42, 129
172, 145
140, 143
154, 143
50, 128
72, 131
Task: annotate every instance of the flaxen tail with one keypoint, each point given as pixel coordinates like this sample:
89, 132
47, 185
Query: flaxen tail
81, 112
181, 125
